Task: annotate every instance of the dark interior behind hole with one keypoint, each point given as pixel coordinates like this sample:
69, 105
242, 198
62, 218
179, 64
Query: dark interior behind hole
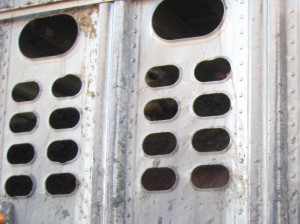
25, 91
177, 19
215, 104
23, 122
20, 153
213, 70
161, 109
158, 179
59, 184
210, 176
64, 118
48, 36
62, 151
162, 76
211, 140
159, 143
19, 186
68, 85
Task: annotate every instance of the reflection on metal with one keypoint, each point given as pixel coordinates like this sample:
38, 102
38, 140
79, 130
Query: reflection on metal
6, 209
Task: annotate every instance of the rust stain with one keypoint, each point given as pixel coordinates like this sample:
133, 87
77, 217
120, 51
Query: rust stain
86, 23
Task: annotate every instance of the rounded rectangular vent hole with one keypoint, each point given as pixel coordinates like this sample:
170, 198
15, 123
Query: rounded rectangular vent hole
159, 143
23, 122
49, 36
62, 151
61, 184
64, 118
212, 105
25, 91
69, 85
17, 186
161, 109
214, 70
185, 19
211, 140
158, 179
20, 153
162, 76
210, 176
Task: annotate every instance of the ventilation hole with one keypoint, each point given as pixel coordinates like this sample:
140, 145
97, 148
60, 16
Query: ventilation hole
48, 36
211, 140
158, 179
184, 19
26, 91
20, 154
162, 76
159, 144
23, 122
69, 85
62, 151
64, 118
63, 183
212, 105
161, 109
214, 70
210, 176
17, 186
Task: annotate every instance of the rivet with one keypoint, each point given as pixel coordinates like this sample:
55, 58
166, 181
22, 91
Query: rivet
133, 60
292, 91
240, 111
241, 62
241, 160
241, 127
132, 74
292, 11
134, 31
242, 1
291, 58
292, 41
241, 144
292, 74
241, 95
241, 16
133, 45
241, 78
132, 90
293, 124
241, 47
292, 107
241, 31
292, 26
240, 211
135, 16
293, 175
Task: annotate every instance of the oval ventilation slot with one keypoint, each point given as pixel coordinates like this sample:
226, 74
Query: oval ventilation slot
20, 154
17, 186
49, 36
212, 105
159, 143
214, 70
158, 179
25, 91
162, 76
211, 140
23, 122
210, 176
64, 118
66, 86
61, 184
62, 151
185, 19
161, 109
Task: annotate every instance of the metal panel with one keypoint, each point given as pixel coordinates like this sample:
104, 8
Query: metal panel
184, 203
87, 59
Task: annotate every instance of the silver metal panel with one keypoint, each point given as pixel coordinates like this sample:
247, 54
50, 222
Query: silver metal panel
87, 59
184, 203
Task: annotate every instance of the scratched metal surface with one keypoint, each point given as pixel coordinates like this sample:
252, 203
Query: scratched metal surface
184, 203
85, 59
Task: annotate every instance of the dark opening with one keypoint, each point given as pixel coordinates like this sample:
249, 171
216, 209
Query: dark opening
177, 19
62, 151
211, 140
20, 153
210, 176
212, 105
48, 36
69, 85
158, 179
63, 183
161, 109
214, 70
159, 143
64, 118
23, 122
19, 186
162, 76
25, 91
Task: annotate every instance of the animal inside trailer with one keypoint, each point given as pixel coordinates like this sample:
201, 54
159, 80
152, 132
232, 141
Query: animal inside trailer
149, 111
